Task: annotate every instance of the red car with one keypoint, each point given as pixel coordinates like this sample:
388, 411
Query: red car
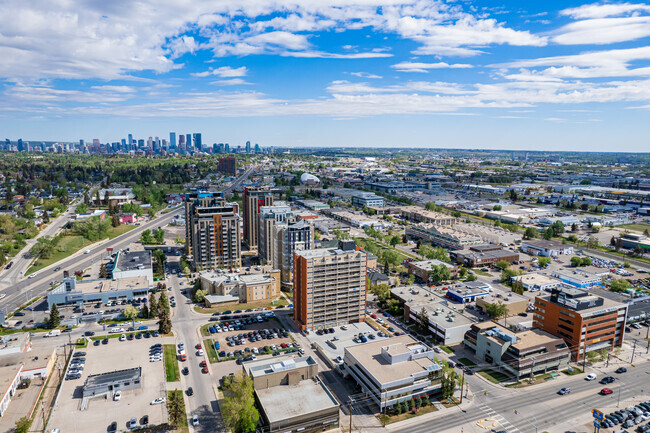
374, 316
284, 345
203, 364
204, 370
198, 346
606, 391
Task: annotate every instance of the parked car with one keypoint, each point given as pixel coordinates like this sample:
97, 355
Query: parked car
195, 420
590, 376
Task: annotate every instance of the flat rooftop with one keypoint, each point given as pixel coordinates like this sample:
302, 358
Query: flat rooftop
536, 279
323, 252
285, 402
103, 286
370, 357
607, 303
439, 313
465, 290
427, 264
113, 376
543, 243
274, 365
414, 293
132, 260
7, 376
34, 359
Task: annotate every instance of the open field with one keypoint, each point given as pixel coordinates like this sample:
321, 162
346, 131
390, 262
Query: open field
248, 306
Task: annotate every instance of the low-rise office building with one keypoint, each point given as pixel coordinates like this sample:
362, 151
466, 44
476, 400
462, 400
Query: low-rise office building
542, 247
586, 322
466, 292
490, 234
394, 370
483, 255
367, 199
443, 236
73, 292
536, 282
290, 396
421, 268
578, 278
133, 264
100, 385
225, 287
633, 241
520, 354
446, 323
356, 220
515, 303
421, 215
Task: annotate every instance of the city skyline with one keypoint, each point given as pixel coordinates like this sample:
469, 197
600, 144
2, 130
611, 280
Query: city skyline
393, 73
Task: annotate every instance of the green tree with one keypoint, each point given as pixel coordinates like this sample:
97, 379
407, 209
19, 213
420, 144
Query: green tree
439, 273
530, 233
592, 356
548, 234
507, 274
145, 311
159, 236
163, 301
576, 261
423, 320
153, 305
103, 273
175, 407
449, 381
592, 242
44, 247
199, 296
602, 354
115, 221
496, 310
395, 240
502, 265
23, 425
410, 279
518, 287
573, 238
164, 322
543, 261
619, 285
130, 312
497, 207
54, 320
92, 229
82, 208
586, 261
146, 238
471, 277
626, 264
238, 408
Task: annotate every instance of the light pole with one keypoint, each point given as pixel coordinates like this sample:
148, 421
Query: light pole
527, 420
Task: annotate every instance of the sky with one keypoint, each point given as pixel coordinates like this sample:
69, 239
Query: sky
537, 75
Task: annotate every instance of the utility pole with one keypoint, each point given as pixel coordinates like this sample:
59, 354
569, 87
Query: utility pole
633, 350
43, 412
607, 365
462, 385
350, 409
584, 353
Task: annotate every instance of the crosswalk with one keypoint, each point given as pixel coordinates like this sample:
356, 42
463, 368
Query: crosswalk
504, 423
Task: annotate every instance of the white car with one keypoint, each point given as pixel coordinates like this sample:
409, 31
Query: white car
117, 396
590, 376
123, 337
195, 420
158, 400
199, 352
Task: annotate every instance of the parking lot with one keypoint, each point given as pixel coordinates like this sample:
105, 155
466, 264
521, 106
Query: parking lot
248, 337
102, 411
334, 344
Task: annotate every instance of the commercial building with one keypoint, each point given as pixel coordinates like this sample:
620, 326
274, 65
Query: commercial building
225, 287
421, 215
227, 165
632, 241
483, 255
446, 323
103, 384
329, 287
356, 219
536, 282
9, 380
133, 264
490, 234
422, 268
113, 196
290, 396
394, 370
515, 303
464, 293
212, 232
567, 221
367, 199
585, 322
313, 204
73, 292
578, 278
520, 354
541, 247
394, 187
254, 198
443, 236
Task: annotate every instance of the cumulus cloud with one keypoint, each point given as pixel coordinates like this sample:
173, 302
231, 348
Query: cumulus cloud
602, 10
224, 72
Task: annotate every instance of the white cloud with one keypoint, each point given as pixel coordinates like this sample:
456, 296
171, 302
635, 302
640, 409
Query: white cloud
597, 10
365, 75
224, 72
424, 67
603, 31
118, 89
322, 55
230, 82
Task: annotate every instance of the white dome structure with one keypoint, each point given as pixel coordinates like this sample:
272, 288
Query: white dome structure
309, 179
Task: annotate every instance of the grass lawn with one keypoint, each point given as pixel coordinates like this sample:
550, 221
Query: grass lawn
211, 351
447, 349
8, 331
235, 307
172, 372
453, 401
204, 329
482, 273
575, 371
69, 245
467, 361
109, 336
182, 426
81, 343
636, 226
494, 376
541, 378
401, 417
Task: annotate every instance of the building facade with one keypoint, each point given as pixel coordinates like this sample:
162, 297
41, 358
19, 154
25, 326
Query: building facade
585, 322
227, 165
254, 198
367, 199
541, 247
224, 287
212, 231
443, 236
329, 287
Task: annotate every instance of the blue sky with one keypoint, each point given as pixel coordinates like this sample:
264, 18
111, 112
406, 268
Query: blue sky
544, 75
